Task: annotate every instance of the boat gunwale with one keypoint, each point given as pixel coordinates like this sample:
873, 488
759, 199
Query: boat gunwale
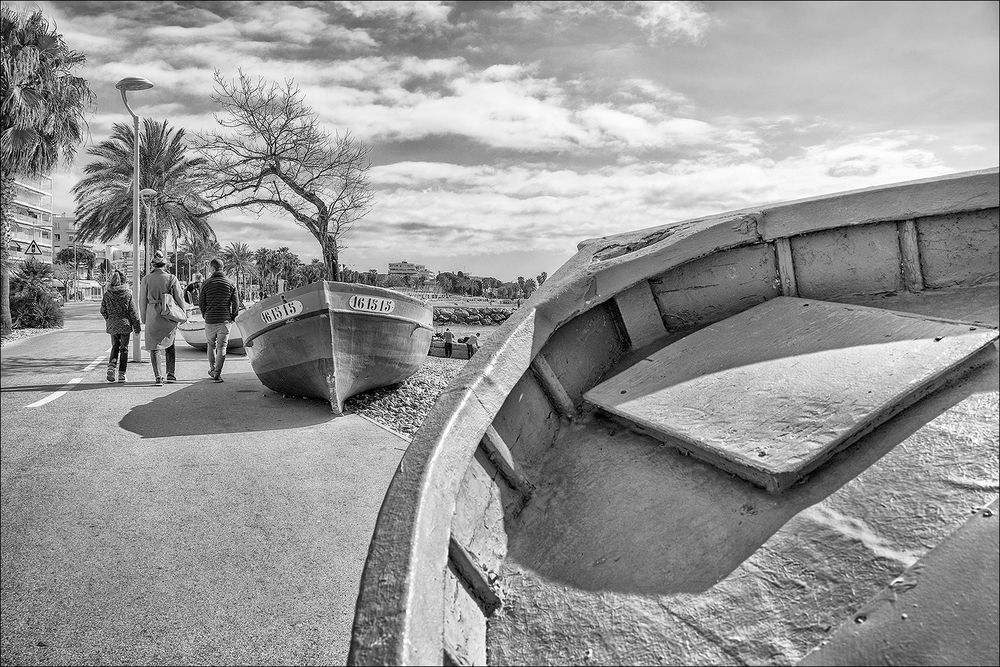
326, 311
399, 612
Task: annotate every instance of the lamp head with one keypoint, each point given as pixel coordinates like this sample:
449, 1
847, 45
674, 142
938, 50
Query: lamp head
147, 192
133, 83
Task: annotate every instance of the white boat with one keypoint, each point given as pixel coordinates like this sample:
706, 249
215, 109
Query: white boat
194, 332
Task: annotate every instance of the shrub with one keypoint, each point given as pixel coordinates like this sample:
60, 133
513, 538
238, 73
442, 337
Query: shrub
32, 305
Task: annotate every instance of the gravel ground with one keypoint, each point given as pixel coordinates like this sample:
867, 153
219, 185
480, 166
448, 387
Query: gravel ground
18, 334
403, 409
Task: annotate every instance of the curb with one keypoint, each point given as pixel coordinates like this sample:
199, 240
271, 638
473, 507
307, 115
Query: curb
396, 433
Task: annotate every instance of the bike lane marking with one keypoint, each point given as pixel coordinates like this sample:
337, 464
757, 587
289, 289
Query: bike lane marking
69, 385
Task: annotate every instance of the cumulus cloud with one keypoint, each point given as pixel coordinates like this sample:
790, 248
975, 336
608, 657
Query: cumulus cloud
430, 12
660, 21
554, 207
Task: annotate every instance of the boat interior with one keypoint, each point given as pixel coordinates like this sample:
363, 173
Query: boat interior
575, 536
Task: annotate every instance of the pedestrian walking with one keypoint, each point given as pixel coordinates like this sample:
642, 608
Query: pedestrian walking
122, 318
219, 306
160, 331
448, 337
193, 291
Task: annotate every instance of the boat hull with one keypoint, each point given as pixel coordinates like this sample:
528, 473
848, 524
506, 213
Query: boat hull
194, 335
526, 526
321, 341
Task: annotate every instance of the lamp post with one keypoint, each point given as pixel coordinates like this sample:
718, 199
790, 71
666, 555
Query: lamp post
147, 194
189, 257
126, 84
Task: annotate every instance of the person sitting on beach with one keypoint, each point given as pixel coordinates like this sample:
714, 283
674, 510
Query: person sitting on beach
448, 337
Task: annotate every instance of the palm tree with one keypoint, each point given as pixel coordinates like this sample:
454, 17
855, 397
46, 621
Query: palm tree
201, 252
104, 197
267, 263
240, 259
42, 105
286, 263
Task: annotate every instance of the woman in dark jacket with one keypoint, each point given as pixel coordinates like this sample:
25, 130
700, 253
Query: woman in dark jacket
118, 308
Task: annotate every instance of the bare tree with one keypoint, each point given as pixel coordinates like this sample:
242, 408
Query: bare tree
278, 155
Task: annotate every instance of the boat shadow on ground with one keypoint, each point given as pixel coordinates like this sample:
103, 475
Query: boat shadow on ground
240, 404
627, 514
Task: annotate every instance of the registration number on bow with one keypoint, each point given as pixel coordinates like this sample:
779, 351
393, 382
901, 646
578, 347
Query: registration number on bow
372, 304
282, 312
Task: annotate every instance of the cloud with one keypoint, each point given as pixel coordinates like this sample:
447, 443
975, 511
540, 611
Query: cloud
545, 207
425, 13
660, 21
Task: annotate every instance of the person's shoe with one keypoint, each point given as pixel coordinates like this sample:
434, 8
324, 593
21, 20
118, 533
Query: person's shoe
171, 378
211, 373
111, 373
158, 382
218, 378
121, 378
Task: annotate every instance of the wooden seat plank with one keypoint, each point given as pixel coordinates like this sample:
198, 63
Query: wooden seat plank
814, 377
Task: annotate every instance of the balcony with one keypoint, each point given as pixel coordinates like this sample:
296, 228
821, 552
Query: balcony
42, 184
32, 200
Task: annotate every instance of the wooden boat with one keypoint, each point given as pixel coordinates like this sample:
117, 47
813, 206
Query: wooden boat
194, 333
332, 340
539, 517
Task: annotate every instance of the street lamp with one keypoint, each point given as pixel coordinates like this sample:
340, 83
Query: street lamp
147, 194
126, 84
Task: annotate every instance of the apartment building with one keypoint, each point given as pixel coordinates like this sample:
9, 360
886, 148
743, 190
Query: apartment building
31, 220
405, 268
64, 232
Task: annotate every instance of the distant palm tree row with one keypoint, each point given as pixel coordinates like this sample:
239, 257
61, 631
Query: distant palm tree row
255, 272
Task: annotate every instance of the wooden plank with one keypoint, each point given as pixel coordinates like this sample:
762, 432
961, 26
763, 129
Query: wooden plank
941, 611
473, 575
642, 318
909, 255
463, 636
940, 195
553, 387
960, 250
712, 288
813, 378
786, 267
850, 260
499, 453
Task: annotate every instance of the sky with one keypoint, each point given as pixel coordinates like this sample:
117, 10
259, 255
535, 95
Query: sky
503, 133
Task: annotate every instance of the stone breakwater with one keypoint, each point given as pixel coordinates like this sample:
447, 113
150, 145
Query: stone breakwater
483, 315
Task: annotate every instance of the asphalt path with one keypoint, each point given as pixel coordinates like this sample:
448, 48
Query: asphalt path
192, 523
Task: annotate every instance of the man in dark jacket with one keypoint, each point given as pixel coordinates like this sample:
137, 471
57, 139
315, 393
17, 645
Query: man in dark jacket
219, 306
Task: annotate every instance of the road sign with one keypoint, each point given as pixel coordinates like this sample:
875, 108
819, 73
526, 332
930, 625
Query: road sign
33, 249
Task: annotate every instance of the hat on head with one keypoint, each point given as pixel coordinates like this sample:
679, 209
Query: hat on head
158, 259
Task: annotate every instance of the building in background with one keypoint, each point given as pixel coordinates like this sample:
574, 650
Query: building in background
31, 220
414, 271
64, 231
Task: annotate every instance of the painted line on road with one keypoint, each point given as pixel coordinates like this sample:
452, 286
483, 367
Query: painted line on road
69, 385
49, 399
93, 364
